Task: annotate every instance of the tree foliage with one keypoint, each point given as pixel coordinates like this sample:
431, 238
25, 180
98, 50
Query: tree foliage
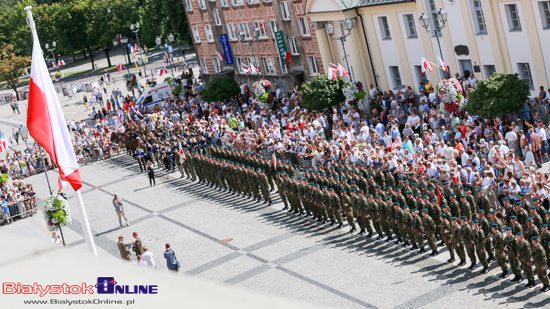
11, 65
499, 95
321, 93
220, 88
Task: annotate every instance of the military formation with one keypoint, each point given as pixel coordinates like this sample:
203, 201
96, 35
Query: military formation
414, 210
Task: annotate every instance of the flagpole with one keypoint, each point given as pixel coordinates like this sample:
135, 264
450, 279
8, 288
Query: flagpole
62, 131
85, 224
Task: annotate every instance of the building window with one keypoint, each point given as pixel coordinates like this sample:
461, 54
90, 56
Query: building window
420, 77
274, 27
245, 28
434, 20
489, 70
237, 2
269, 65
411, 27
268, 1
225, 3
384, 28
196, 36
304, 27
240, 65
513, 17
202, 4
203, 65
524, 71
260, 25
253, 1
313, 66
217, 19
545, 11
189, 5
216, 64
479, 19
231, 32
284, 10
293, 46
208, 33
396, 78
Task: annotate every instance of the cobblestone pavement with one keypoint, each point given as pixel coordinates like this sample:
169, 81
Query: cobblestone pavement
237, 242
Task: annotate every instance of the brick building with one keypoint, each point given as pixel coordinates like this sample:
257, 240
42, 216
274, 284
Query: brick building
210, 19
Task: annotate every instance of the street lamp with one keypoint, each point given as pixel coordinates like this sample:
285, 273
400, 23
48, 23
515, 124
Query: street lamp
136, 27
242, 37
54, 44
348, 25
425, 23
123, 41
158, 41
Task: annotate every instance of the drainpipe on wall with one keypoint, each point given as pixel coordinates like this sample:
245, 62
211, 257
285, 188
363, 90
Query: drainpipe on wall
368, 48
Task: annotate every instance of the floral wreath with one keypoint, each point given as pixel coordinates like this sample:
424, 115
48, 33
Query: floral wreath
261, 90
57, 212
355, 94
59, 75
451, 96
131, 81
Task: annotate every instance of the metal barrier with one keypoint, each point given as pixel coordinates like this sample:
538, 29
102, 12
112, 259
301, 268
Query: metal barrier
15, 211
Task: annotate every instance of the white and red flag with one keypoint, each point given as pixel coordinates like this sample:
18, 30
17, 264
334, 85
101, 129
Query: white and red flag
443, 65
162, 71
53, 64
246, 68
253, 69
119, 67
132, 50
287, 58
221, 57
332, 73
426, 64
341, 70
274, 159
46, 122
4, 144
61, 62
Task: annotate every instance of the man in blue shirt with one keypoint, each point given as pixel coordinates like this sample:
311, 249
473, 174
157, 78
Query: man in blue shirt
5, 210
171, 261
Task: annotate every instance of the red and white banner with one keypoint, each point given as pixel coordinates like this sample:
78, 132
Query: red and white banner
221, 57
341, 70
443, 65
253, 69
53, 63
119, 67
46, 122
245, 68
162, 71
132, 50
61, 62
426, 65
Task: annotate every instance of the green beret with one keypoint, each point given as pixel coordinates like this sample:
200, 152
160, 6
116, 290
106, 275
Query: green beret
324, 187
424, 210
529, 219
405, 207
480, 211
513, 217
378, 196
535, 238
475, 221
519, 233
532, 207
408, 192
463, 218
414, 209
443, 215
518, 203
505, 199
396, 204
370, 195
522, 194
452, 194
453, 218
544, 225
342, 191
494, 225
331, 189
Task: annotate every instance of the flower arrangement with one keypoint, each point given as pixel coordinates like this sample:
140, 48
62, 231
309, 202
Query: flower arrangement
261, 90
59, 75
57, 212
355, 94
451, 96
130, 80
6, 182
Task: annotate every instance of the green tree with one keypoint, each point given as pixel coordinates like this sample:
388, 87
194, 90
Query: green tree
321, 93
220, 88
11, 66
499, 95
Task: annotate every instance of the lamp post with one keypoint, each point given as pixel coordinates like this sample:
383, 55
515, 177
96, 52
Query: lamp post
54, 44
123, 41
242, 37
135, 29
170, 57
425, 23
349, 24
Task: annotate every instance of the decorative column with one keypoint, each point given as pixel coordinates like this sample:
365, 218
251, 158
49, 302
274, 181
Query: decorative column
323, 43
352, 48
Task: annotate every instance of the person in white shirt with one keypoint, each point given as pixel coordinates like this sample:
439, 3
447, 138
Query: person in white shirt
372, 92
432, 98
141, 262
472, 80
